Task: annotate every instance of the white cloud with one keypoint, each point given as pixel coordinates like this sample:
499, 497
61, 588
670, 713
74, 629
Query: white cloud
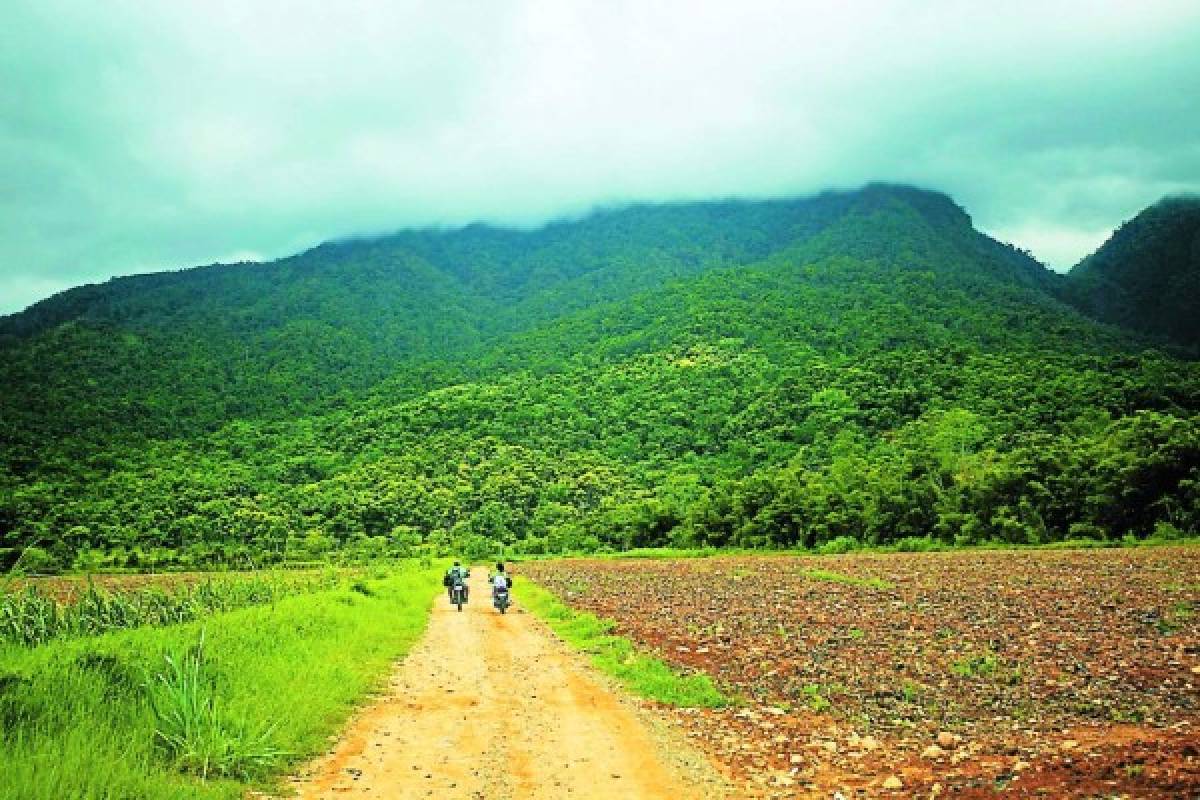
138, 135
1058, 247
20, 290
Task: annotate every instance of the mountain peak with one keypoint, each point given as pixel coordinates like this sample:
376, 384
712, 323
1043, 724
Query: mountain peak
1147, 275
936, 207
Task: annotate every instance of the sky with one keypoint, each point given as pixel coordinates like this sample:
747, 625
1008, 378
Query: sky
141, 135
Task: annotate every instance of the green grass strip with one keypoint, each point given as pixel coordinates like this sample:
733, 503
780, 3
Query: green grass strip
848, 580
78, 719
642, 674
658, 553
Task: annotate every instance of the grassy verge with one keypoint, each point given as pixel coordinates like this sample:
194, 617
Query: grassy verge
205, 709
642, 674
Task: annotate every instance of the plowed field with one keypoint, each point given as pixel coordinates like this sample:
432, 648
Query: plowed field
1036, 673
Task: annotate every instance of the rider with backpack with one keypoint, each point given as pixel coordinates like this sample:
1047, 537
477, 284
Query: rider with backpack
457, 574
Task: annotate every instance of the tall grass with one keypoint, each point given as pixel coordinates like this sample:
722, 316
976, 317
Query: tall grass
192, 730
30, 618
204, 709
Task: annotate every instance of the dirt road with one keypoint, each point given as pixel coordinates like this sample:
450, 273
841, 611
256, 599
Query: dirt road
491, 706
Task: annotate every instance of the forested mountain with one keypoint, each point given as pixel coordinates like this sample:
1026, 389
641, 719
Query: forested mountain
1147, 275
184, 352
858, 364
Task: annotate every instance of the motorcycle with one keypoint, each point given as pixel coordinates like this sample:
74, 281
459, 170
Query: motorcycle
458, 594
500, 599
456, 588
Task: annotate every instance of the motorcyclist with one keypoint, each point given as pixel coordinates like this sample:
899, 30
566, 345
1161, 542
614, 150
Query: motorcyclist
457, 574
499, 579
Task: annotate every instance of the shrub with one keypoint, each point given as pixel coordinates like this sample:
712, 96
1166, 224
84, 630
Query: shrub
1165, 531
916, 544
838, 546
1085, 530
39, 561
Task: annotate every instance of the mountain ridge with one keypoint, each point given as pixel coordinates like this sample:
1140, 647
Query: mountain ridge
859, 365
935, 206
242, 340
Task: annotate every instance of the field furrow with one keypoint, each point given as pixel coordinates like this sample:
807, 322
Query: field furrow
961, 672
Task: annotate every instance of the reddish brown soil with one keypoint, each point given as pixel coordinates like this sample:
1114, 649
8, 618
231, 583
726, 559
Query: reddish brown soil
1045, 673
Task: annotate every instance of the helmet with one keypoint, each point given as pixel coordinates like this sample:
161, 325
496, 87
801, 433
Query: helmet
500, 566
456, 564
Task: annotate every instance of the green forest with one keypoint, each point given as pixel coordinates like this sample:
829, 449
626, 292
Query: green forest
854, 368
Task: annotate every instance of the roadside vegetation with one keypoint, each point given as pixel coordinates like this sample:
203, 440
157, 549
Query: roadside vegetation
31, 615
642, 674
207, 708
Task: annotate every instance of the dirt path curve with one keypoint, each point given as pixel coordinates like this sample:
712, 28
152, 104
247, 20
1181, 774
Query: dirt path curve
491, 706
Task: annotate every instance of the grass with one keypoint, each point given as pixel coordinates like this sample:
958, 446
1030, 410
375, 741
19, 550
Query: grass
1176, 618
976, 665
986, 665
848, 580
815, 700
29, 617
192, 729
204, 709
641, 674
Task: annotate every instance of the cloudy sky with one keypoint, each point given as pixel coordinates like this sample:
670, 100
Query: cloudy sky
138, 135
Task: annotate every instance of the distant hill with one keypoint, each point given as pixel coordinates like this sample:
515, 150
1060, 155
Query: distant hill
179, 352
856, 366
1147, 275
